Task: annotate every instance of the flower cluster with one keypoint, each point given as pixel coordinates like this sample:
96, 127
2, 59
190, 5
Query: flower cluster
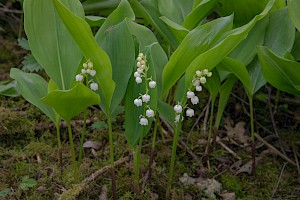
87, 69
198, 80
141, 73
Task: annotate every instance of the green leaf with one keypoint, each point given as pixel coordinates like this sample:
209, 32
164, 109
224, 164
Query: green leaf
244, 10
246, 50
225, 92
33, 87
150, 11
294, 12
50, 42
296, 48
94, 21
89, 47
10, 89
213, 56
239, 70
30, 64
196, 42
133, 130
178, 31
103, 5
69, 103
279, 72
256, 76
22, 42
213, 84
198, 13
115, 38
280, 34
27, 183
167, 112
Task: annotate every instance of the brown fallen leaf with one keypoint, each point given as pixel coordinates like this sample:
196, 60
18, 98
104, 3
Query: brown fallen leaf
238, 132
228, 196
248, 166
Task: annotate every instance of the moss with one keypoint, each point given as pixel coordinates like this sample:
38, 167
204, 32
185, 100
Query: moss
232, 183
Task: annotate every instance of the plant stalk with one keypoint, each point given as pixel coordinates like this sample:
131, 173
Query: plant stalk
57, 125
252, 133
112, 159
75, 169
82, 136
138, 163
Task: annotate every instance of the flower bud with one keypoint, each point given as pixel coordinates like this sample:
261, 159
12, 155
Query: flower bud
152, 84
198, 73
205, 71
209, 74
140, 70
203, 80
196, 83
83, 71
138, 64
88, 71
94, 86
93, 72
141, 55
84, 65
90, 65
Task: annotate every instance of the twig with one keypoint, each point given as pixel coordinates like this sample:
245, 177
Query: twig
218, 140
296, 159
277, 185
11, 11
274, 149
197, 121
72, 193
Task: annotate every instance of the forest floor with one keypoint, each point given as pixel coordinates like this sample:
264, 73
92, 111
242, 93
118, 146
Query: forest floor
29, 156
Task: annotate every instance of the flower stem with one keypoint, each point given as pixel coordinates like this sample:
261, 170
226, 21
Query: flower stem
112, 159
174, 147
210, 127
57, 125
138, 163
72, 152
252, 133
82, 136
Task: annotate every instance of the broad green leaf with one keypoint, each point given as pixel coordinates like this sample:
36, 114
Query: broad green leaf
50, 42
117, 16
102, 6
296, 48
196, 42
166, 111
225, 92
133, 130
279, 72
10, 89
213, 84
150, 11
69, 103
213, 56
89, 47
246, 50
95, 20
279, 37
172, 10
280, 34
33, 87
145, 37
178, 31
198, 14
244, 10
256, 76
239, 70
115, 38
294, 12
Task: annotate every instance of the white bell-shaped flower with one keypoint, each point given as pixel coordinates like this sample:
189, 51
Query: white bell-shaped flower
83, 71
138, 80
202, 80
178, 108
149, 113
79, 77
195, 100
94, 86
190, 112
146, 98
196, 82
209, 74
93, 72
143, 121
199, 88
138, 102
137, 74
152, 84
90, 65
190, 94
